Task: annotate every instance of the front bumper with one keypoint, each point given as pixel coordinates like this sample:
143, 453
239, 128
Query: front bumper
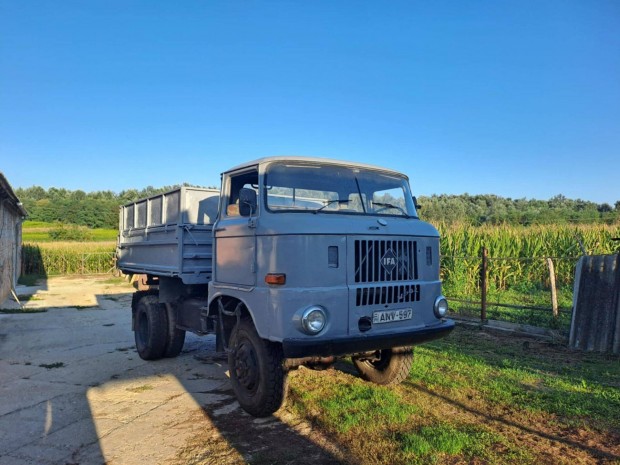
297, 348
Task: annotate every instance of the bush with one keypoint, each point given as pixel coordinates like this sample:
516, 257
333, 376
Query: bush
62, 232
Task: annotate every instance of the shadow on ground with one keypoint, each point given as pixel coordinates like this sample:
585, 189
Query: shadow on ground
74, 391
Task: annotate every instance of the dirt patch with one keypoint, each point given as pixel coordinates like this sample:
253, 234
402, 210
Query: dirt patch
239, 438
80, 292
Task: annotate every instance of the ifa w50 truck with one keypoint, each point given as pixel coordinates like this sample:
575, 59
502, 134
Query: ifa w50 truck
295, 261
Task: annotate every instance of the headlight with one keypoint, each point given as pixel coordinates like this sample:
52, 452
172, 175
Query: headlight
441, 307
313, 320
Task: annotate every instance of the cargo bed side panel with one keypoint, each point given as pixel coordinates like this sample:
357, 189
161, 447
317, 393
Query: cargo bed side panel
169, 234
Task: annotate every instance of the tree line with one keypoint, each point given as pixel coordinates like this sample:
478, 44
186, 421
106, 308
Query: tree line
97, 209
100, 209
493, 209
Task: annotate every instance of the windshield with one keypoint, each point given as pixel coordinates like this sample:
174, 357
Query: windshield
336, 189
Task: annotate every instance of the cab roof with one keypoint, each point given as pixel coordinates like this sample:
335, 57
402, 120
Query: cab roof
324, 161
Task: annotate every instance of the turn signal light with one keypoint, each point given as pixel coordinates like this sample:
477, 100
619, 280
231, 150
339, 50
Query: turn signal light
275, 278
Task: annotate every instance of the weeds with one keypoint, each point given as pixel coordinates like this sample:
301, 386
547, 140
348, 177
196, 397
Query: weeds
139, 389
22, 310
51, 366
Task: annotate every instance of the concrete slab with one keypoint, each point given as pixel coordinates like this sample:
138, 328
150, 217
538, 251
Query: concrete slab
73, 389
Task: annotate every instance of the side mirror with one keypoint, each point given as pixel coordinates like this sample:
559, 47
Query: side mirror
415, 203
247, 201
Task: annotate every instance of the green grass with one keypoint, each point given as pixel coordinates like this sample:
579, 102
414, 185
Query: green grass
430, 443
586, 387
473, 397
358, 405
35, 236
39, 231
519, 296
37, 224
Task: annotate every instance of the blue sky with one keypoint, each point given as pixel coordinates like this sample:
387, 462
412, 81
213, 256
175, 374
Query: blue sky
514, 98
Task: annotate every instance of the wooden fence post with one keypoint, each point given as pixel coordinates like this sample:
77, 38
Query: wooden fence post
554, 293
483, 285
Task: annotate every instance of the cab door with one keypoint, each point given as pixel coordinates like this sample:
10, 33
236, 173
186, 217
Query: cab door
234, 234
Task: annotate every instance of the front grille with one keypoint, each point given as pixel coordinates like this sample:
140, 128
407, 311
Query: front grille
385, 261
382, 295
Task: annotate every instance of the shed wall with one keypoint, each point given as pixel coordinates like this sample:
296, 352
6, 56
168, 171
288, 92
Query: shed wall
596, 316
10, 248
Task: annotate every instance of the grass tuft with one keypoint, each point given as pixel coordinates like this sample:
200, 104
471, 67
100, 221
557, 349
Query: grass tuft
22, 310
139, 389
50, 366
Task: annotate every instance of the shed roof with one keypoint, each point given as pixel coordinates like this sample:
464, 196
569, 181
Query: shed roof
6, 193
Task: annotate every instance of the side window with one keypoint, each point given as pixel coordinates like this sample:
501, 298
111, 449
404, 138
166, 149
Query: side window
248, 180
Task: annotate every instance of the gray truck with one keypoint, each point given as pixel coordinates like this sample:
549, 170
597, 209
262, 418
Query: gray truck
296, 261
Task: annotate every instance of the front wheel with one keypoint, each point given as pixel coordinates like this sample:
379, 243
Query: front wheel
387, 366
257, 373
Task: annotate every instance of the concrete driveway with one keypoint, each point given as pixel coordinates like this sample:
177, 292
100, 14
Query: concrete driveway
74, 391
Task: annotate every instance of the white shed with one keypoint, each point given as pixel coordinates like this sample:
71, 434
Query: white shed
12, 214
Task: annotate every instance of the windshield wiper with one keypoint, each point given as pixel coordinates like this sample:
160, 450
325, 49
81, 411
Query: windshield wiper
329, 202
389, 205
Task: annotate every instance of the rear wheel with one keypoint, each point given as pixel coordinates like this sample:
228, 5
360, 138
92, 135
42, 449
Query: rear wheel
387, 366
175, 338
151, 331
257, 373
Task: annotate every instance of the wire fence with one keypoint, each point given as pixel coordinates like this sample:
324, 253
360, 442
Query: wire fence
536, 291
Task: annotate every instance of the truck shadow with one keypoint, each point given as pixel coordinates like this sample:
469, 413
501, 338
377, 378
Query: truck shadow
224, 433
277, 439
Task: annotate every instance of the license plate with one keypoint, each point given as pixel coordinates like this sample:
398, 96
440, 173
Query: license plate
388, 316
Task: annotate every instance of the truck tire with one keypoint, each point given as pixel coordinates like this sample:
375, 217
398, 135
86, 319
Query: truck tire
257, 373
392, 366
151, 332
175, 337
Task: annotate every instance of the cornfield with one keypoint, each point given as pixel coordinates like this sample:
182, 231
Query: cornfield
67, 258
517, 253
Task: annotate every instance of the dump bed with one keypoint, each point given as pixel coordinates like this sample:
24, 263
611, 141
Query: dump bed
169, 234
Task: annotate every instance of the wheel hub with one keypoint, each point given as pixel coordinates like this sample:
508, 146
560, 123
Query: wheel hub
246, 367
